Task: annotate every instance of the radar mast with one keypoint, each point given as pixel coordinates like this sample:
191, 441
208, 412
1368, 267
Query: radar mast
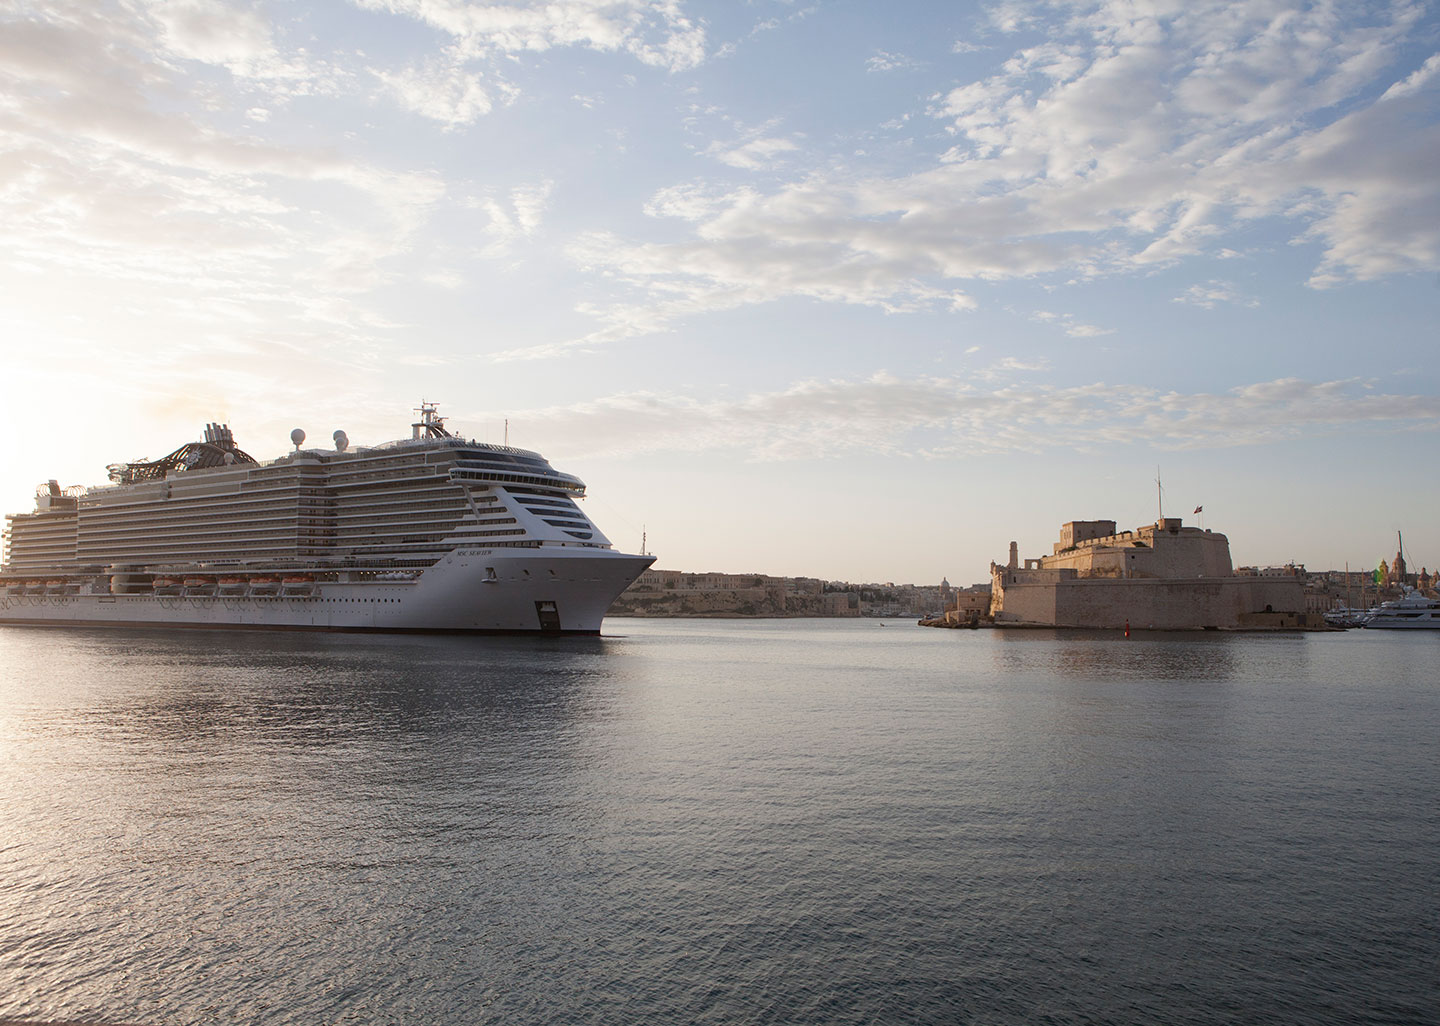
430, 424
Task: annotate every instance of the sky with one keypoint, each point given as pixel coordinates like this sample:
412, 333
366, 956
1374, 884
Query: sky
847, 290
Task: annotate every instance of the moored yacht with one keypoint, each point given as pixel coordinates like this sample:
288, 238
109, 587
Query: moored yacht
1412, 611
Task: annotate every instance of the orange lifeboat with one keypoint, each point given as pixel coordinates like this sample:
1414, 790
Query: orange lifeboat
299, 584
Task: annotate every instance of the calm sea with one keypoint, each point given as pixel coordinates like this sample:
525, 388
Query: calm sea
720, 822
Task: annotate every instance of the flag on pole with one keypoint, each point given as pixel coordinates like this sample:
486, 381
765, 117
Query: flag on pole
1199, 509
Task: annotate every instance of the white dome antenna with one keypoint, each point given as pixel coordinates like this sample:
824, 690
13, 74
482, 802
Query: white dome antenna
297, 436
342, 441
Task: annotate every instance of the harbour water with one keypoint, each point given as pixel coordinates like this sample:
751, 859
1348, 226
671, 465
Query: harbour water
720, 822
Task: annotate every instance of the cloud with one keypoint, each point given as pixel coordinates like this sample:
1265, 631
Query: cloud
655, 32
518, 218
214, 33
449, 87
1012, 15
1068, 324
1212, 293
884, 61
940, 417
1118, 139
132, 161
441, 90
752, 155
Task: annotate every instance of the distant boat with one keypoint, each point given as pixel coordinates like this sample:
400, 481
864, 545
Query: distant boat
1347, 616
1412, 611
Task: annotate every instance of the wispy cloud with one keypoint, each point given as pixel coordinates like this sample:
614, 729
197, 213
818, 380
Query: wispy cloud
753, 154
950, 417
1068, 324
885, 61
1214, 292
655, 32
442, 90
516, 217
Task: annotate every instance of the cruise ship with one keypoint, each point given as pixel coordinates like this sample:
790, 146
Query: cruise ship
429, 533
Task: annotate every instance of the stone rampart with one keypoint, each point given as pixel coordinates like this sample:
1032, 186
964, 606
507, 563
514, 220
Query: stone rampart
1220, 603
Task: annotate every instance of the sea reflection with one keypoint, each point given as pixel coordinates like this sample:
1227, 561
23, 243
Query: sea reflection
1097, 656
320, 690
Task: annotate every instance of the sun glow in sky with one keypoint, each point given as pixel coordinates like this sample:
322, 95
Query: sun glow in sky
838, 289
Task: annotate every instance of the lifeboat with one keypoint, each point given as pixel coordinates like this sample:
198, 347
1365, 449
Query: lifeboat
198, 585
263, 584
232, 584
166, 585
299, 584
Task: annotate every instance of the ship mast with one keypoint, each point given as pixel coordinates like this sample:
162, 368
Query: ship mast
430, 424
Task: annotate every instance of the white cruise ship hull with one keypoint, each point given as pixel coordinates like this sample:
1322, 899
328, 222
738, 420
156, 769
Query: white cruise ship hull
552, 590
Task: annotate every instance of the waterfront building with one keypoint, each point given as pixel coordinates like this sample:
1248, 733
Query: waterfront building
677, 593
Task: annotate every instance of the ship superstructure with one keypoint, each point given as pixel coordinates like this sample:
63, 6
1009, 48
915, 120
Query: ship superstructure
433, 532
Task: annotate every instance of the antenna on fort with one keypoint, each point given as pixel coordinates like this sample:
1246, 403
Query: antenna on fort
1159, 492
507, 430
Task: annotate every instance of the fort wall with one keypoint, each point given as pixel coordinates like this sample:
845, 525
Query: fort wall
1217, 603
1162, 576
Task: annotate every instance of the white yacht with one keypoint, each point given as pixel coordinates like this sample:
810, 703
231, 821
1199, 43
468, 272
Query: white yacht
430, 533
1412, 611
1348, 616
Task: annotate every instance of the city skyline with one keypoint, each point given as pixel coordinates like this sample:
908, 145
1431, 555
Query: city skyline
816, 290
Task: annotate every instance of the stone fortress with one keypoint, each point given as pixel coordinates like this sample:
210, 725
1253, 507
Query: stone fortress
1163, 576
